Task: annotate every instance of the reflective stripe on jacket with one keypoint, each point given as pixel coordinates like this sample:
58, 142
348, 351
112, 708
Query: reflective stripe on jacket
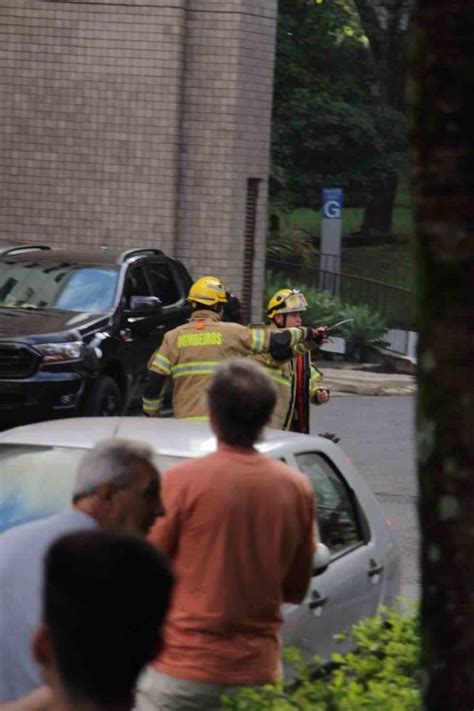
282, 376
191, 354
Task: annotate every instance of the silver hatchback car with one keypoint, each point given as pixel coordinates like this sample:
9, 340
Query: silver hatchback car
357, 567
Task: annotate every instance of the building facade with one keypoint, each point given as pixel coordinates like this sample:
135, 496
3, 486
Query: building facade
140, 123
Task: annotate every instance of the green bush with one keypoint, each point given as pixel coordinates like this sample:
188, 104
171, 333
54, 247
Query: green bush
366, 331
383, 672
292, 245
323, 309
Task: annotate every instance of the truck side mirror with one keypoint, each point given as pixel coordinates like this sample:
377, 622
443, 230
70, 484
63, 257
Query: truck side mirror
145, 303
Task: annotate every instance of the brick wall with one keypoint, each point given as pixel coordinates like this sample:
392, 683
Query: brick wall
225, 134
90, 97
137, 123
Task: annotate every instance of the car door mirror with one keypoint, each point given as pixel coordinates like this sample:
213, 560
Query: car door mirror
321, 559
145, 303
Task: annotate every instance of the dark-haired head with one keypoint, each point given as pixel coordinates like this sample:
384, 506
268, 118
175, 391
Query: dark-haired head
105, 599
241, 400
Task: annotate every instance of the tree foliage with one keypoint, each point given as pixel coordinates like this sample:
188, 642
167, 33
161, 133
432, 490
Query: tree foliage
329, 128
386, 24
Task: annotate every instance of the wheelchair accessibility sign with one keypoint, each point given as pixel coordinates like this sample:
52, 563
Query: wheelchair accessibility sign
332, 203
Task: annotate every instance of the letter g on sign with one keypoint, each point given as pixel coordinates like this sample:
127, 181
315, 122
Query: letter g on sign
332, 210
332, 199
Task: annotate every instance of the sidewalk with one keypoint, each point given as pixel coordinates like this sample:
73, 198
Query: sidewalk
344, 381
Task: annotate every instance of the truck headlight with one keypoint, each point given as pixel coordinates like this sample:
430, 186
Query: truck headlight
60, 352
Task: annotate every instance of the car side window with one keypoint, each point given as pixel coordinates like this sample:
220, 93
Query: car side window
135, 284
336, 510
163, 283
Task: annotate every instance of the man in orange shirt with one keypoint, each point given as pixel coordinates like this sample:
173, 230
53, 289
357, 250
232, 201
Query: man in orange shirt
239, 529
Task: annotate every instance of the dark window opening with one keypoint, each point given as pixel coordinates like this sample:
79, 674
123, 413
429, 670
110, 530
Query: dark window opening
249, 244
135, 284
336, 507
163, 283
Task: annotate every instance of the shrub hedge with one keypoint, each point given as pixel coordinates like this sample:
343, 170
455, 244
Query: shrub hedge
383, 672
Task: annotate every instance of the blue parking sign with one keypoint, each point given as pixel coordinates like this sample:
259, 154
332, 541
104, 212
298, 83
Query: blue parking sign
332, 199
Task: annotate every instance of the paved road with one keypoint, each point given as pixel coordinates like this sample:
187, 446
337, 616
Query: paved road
378, 433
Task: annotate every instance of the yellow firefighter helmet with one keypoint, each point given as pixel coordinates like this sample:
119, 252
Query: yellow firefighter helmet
286, 301
208, 290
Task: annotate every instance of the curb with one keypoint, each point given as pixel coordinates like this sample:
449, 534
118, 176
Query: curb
353, 382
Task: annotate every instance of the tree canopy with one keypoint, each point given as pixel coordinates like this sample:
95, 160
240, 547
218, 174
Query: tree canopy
330, 127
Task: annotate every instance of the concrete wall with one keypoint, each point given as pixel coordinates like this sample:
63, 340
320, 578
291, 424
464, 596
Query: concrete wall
137, 123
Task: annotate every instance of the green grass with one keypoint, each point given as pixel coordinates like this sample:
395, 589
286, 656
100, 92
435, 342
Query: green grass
389, 262
403, 197
310, 220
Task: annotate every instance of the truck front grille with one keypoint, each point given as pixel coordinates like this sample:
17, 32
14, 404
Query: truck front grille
17, 361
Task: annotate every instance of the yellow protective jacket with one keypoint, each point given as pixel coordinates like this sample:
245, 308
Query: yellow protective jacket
284, 378
191, 354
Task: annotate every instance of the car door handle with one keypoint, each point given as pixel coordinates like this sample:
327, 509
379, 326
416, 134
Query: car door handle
375, 568
317, 601
159, 328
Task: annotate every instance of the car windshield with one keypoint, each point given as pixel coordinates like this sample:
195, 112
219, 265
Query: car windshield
37, 481
62, 285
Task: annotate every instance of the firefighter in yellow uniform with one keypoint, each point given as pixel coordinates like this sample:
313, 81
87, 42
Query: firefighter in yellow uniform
191, 353
297, 380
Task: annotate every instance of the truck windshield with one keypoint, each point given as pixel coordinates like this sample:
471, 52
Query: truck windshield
63, 286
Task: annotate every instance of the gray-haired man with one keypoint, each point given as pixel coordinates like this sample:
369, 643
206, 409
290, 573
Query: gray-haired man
117, 486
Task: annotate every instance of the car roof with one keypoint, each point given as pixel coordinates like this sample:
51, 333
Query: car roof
165, 435
6, 244
102, 256
67, 255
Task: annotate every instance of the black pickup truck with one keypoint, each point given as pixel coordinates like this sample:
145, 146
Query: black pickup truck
77, 328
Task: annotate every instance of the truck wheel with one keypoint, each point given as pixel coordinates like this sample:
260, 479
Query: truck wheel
105, 400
